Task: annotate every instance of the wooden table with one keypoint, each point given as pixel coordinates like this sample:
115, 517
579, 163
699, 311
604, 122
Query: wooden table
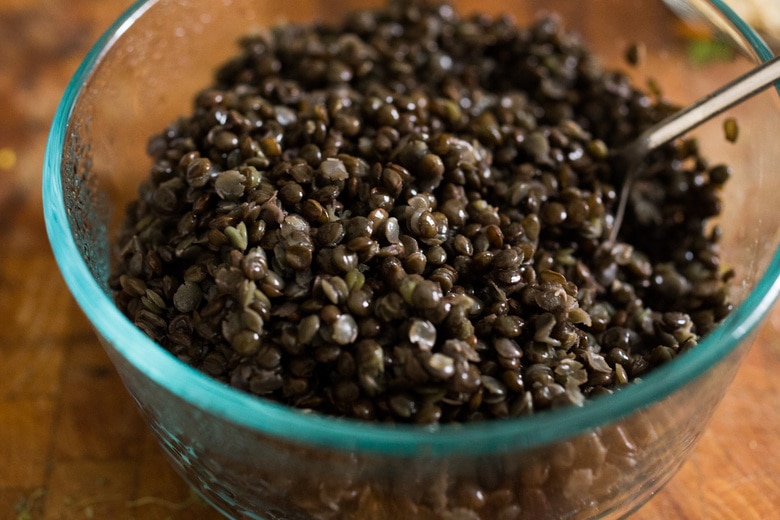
72, 445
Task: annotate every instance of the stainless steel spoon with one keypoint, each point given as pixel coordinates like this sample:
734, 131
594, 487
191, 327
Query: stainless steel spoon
738, 90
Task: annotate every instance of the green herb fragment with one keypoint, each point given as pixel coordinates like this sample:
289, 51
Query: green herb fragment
702, 52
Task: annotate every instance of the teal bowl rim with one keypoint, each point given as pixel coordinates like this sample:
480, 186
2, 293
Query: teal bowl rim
271, 418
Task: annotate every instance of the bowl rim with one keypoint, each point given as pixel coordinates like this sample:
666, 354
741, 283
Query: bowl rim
278, 420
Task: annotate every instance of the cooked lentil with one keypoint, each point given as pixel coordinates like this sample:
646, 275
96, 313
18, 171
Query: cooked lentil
731, 129
406, 217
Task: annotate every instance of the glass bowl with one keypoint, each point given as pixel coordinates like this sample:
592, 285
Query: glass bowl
251, 458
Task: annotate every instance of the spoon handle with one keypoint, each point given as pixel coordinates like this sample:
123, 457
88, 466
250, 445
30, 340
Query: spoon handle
677, 124
708, 107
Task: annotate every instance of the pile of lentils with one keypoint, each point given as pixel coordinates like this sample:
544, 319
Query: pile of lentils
406, 217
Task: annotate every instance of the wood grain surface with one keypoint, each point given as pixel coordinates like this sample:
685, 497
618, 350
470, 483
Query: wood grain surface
73, 446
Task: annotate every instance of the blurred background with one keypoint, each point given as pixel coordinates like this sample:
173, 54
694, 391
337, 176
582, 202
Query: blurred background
72, 445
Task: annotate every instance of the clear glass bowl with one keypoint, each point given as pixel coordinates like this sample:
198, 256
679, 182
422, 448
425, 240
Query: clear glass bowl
255, 459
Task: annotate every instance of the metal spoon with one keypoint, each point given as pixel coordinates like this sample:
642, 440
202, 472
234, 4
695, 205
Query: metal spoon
738, 90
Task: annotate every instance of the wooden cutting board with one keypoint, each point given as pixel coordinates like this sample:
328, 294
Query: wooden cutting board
72, 445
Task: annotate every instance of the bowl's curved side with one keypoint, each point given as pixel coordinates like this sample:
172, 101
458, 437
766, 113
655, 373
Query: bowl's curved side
201, 391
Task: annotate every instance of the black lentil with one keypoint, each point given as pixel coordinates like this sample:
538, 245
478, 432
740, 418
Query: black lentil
374, 220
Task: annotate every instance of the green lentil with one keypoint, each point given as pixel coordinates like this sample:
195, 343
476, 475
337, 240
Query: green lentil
731, 129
